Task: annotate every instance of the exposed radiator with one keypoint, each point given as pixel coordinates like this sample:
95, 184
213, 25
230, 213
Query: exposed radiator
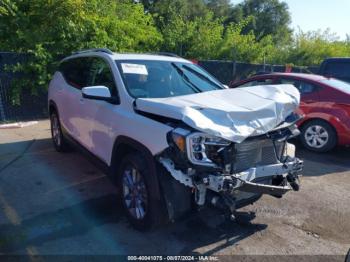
256, 152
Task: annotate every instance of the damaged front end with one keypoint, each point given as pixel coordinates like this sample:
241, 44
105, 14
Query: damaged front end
230, 175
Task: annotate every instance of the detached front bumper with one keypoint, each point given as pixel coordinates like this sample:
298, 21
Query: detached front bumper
286, 173
244, 181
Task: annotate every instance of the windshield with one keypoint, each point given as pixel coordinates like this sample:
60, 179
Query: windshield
157, 79
338, 84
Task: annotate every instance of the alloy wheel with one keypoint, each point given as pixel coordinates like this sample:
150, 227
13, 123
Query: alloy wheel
56, 131
135, 195
316, 136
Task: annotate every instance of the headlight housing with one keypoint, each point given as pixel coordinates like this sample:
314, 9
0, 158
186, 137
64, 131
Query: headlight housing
205, 150
202, 149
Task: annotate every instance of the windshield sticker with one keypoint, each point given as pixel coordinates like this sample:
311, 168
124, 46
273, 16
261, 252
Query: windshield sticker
134, 69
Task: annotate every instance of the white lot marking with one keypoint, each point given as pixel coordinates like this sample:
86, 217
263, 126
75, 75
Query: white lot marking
15, 220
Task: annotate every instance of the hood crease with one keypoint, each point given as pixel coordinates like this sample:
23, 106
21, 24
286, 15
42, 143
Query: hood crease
233, 114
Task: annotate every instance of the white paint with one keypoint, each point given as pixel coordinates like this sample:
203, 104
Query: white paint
97, 91
233, 114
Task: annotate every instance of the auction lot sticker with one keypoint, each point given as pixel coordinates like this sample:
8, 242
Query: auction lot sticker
134, 69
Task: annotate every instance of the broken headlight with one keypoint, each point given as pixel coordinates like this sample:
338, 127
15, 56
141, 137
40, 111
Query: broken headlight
206, 150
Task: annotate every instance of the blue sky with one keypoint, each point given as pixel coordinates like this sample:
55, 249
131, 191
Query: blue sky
319, 14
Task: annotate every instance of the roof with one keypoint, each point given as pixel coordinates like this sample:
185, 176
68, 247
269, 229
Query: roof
128, 56
301, 75
121, 56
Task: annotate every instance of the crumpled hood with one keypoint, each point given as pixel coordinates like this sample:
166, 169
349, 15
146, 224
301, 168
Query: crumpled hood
233, 114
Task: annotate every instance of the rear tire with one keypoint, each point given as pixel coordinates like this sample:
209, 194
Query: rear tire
58, 139
143, 207
318, 136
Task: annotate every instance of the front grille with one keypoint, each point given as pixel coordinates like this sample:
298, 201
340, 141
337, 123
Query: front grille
256, 152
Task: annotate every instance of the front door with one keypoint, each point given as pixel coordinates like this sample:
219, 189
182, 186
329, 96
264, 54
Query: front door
95, 129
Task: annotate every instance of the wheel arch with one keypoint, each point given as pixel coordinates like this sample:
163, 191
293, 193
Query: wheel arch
124, 145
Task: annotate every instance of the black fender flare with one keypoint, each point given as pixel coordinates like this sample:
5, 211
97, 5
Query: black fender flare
124, 145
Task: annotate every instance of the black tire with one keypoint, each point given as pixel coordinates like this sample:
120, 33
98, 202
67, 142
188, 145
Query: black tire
318, 136
58, 139
150, 211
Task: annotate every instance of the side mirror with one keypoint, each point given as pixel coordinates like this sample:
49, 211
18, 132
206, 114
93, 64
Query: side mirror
98, 93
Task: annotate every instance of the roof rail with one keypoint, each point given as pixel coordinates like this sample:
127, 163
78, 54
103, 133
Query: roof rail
164, 54
104, 50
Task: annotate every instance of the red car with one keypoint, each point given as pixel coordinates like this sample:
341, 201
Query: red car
325, 103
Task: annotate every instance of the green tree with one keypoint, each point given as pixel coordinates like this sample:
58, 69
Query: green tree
48, 30
176, 20
163, 10
311, 48
244, 47
206, 39
269, 17
177, 33
221, 8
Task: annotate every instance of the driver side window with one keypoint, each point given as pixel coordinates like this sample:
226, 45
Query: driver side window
101, 75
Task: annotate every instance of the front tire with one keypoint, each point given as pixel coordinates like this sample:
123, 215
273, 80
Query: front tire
318, 136
143, 207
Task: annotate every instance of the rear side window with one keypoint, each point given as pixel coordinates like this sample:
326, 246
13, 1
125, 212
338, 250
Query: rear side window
302, 86
340, 69
259, 82
337, 84
76, 71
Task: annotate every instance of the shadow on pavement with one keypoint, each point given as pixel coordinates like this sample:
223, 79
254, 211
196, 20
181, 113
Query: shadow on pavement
62, 223
76, 220
319, 164
198, 234
82, 218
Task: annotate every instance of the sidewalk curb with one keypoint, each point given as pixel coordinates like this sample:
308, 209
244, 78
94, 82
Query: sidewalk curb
18, 125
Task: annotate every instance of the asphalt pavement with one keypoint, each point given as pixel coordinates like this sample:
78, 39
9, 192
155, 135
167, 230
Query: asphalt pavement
60, 204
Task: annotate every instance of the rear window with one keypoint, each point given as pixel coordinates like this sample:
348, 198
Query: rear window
340, 69
337, 84
258, 82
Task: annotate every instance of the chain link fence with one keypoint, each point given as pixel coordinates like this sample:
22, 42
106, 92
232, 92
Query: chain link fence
30, 106
227, 71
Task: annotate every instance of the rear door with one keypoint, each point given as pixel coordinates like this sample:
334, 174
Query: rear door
75, 72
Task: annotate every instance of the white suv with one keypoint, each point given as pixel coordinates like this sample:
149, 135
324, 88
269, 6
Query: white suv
170, 136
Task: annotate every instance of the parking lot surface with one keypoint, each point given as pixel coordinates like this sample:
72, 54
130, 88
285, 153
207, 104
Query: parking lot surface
52, 203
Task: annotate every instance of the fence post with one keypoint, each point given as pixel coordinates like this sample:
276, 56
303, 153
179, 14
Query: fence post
233, 69
2, 111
